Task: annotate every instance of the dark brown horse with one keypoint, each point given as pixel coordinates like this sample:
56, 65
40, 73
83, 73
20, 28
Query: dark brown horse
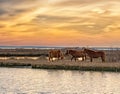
76, 54
95, 54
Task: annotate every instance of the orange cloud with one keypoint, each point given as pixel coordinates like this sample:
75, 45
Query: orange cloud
60, 22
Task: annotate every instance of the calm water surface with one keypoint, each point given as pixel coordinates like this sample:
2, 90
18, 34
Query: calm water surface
38, 81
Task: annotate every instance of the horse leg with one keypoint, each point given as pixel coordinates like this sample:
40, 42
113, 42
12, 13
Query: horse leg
91, 59
58, 59
75, 59
72, 58
103, 58
83, 58
49, 58
52, 59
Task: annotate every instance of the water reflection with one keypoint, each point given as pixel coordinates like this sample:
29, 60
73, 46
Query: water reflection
33, 81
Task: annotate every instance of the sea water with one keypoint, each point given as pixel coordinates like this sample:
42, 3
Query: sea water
40, 81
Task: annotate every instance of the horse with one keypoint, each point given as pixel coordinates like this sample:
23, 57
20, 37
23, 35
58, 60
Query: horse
55, 54
76, 54
95, 54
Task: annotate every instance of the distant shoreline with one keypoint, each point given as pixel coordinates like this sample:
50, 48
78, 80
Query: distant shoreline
59, 47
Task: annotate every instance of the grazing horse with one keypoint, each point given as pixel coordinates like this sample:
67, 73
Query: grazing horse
76, 54
55, 54
95, 54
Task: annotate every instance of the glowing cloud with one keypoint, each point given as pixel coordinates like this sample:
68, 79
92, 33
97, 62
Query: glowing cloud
60, 22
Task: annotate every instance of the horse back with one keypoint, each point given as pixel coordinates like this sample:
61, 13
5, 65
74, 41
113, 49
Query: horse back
101, 52
76, 53
97, 54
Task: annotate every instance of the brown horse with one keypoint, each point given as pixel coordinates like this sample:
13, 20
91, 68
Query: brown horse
76, 54
55, 54
95, 54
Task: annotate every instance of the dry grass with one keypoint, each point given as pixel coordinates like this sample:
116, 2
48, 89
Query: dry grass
62, 64
111, 55
40, 60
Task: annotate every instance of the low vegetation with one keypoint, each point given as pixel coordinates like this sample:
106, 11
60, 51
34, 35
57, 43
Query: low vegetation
40, 60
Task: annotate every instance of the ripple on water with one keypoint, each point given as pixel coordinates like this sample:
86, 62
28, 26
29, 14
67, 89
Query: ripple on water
38, 81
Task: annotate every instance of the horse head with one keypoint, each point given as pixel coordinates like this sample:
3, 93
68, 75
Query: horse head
84, 49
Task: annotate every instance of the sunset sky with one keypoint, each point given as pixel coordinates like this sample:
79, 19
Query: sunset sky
60, 22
